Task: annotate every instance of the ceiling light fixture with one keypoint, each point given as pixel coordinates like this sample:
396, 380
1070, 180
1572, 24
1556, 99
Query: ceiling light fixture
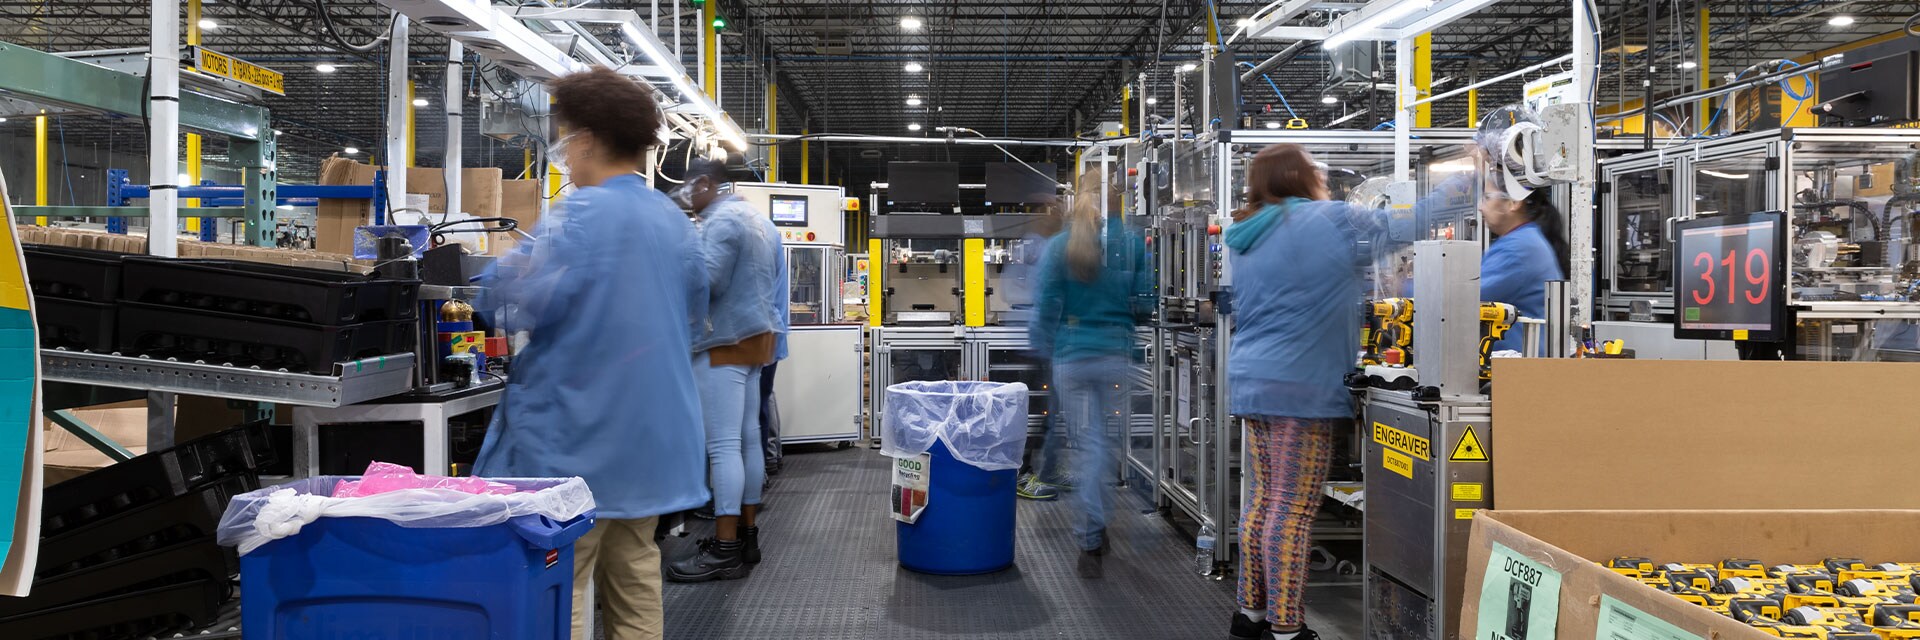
278, 132
1689, 64
1273, 124
914, 126
914, 67
1188, 67
910, 23
1153, 101
1840, 21
913, 101
1329, 99
207, 24
352, 151
419, 102
1244, 23
1377, 20
3, 119
325, 68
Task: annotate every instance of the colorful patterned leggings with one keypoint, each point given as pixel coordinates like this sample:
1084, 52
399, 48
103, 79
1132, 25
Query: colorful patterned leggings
1290, 458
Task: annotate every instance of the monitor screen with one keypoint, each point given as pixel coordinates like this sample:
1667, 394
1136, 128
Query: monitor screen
1729, 277
923, 182
788, 211
1014, 183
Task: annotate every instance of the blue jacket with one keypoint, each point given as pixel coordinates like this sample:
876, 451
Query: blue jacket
1515, 270
1074, 320
604, 389
1296, 313
741, 247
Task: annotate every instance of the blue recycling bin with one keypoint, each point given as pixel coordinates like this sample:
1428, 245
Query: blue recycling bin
973, 434
371, 578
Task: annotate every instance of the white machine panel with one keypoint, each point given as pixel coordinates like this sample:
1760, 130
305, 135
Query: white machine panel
818, 385
802, 212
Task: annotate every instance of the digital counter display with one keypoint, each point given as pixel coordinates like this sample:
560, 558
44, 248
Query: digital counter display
1729, 278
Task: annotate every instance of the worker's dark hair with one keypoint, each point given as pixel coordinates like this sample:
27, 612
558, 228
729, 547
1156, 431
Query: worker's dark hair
715, 170
616, 110
1538, 209
1279, 172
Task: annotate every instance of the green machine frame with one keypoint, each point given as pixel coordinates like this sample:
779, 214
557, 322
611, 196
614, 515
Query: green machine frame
44, 78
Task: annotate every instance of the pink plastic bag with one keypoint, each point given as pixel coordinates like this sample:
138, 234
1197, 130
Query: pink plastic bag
383, 477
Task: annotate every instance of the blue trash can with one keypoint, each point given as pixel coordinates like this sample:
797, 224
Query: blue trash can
968, 526
362, 577
973, 434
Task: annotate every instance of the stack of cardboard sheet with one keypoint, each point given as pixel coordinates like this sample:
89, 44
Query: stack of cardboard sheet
483, 194
137, 244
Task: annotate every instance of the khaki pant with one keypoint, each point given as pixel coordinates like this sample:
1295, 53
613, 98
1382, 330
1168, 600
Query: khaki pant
624, 561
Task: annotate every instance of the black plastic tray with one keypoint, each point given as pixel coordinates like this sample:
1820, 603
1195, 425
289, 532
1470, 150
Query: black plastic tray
134, 615
191, 335
154, 477
269, 291
76, 324
185, 561
75, 274
192, 516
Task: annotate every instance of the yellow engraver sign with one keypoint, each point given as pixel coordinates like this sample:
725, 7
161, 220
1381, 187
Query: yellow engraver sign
247, 73
1412, 445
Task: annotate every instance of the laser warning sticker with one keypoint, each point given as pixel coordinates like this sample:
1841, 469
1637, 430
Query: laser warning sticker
1618, 621
1469, 449
1519, 598
910, 487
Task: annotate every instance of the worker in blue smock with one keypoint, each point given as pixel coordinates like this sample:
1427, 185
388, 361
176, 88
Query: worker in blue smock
609, 293
1094, 287
1296, 263
741, 247
783, 309
1529, 248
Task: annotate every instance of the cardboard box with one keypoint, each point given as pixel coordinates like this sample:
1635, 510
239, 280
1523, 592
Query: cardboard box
1705, 434
68, 457
480, 195
1592, 597
520, 200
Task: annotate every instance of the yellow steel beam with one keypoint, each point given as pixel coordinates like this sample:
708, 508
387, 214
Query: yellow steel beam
409, 123
876, 270
806, 160
1703, 110
973, 267
710, 68
193, 139
1126, 109
1473, 107
773, 127
40, 166
1423, 79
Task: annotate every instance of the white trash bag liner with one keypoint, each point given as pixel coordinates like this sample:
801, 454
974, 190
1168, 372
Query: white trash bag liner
261, 516
983, 423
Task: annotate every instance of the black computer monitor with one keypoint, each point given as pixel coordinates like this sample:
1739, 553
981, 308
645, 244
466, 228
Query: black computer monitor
1015, 183
923, 182
788, 211
1730, 280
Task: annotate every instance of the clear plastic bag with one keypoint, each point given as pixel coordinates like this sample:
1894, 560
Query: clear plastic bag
258, 517
983, 423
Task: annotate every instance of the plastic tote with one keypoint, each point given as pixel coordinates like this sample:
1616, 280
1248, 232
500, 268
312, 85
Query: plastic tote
415, 563
968, 437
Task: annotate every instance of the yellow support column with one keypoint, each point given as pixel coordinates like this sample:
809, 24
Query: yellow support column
1703, 110
877, 264
526, 172
410, 123
193, 139
1473, 107
710, 70
40, 166
773, 127
1423, 79
1126, 110
806, 160
973, 268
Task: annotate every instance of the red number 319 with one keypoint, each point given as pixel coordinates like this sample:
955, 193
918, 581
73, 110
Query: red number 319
1758, 273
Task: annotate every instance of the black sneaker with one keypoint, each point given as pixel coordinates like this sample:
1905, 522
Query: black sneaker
1245, 628
750, 538
1303, 634
1092, 563
714, 560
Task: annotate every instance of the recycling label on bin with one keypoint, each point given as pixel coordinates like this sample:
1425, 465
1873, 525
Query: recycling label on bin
910, 487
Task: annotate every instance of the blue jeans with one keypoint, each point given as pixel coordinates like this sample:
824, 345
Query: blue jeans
1090, 393
730, 407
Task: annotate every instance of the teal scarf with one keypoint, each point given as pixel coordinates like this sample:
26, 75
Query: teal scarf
1244, 234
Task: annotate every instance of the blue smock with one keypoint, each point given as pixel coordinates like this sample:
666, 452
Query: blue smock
604, 388
1074, 320
1515, 270
782, 306
741, 247
1296, 312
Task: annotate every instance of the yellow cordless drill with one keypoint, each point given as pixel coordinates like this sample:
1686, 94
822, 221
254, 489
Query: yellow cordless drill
1495, 319
1393, 337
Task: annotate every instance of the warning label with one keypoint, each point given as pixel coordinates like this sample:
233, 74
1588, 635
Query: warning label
1397, 463
1469, 448
1407, 443
1468, 491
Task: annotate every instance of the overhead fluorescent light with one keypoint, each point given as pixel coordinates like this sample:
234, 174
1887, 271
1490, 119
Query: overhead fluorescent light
207, 24
1244, 23
914, 67
1378, 19
1689, 64
677, 76
913, 126
1273, 124
419, 102
910, 23
1188, 67
1725, 175
1151, 101
351, 151
1329, 99
325, 68
913, 101
1840, 21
